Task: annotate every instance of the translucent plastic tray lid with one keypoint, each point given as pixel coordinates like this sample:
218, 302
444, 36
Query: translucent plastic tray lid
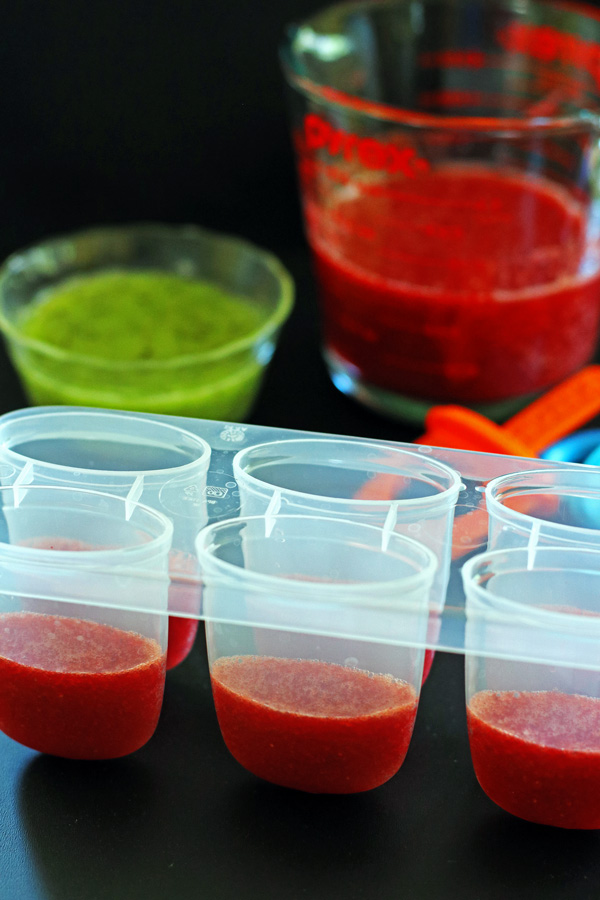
219, 498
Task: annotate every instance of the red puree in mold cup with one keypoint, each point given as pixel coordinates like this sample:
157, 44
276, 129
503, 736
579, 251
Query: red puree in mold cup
315, 685
77, 688
534, 719
134, 457
83, 625
398, 490
332, 729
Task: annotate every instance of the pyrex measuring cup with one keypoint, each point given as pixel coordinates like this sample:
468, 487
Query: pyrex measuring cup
158, 463
313, 632
447, 157
83, 631
534, 726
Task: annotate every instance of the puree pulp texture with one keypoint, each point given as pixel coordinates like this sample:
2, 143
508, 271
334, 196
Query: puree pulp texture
142, 317
76, 688
466, 284
183, 593
537, 754
313, 726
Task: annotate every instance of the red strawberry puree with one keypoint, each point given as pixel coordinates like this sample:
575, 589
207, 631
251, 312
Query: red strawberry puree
462, 284
78, 689
313, 726
537, 754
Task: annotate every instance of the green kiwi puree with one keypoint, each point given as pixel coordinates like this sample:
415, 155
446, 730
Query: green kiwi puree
143, 317
140, 315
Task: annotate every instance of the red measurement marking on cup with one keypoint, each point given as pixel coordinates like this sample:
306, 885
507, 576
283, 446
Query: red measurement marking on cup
549, 45
313, 726
453, 59
310, 169
570, 87
76, 688
479, 103
537, 754
453, 97
370, 232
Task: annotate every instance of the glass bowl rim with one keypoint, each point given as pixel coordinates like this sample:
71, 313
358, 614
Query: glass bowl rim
283, 306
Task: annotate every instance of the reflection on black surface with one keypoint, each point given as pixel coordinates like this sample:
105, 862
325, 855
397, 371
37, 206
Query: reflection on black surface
333, 829
133, 827
501, 832
181, 820
63, 789
522, 859
101, 810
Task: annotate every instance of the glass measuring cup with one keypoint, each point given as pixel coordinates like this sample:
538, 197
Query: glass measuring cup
534, 719
313, 631
447, 159
82, 648
144, 459
409, 493
545, 507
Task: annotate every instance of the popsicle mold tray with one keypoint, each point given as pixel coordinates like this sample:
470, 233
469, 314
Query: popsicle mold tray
198, 472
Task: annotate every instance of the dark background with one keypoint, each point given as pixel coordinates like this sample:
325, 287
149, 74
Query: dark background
117, 111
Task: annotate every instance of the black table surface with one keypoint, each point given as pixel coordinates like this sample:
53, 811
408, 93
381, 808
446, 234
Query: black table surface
119, 111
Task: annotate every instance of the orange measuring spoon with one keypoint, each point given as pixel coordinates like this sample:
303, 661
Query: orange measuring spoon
550, 417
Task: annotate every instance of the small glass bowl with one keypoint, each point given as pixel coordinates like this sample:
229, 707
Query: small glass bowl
220, 383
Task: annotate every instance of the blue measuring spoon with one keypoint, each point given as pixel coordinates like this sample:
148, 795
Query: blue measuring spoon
579, 447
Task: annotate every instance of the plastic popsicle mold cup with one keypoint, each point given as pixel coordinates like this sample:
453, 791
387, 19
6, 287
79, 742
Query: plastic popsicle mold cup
313, 631
158, 463
546, 507
534, 726
83, 630
409, 493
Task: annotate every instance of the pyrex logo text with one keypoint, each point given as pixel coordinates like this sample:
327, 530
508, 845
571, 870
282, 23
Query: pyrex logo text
379, 156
